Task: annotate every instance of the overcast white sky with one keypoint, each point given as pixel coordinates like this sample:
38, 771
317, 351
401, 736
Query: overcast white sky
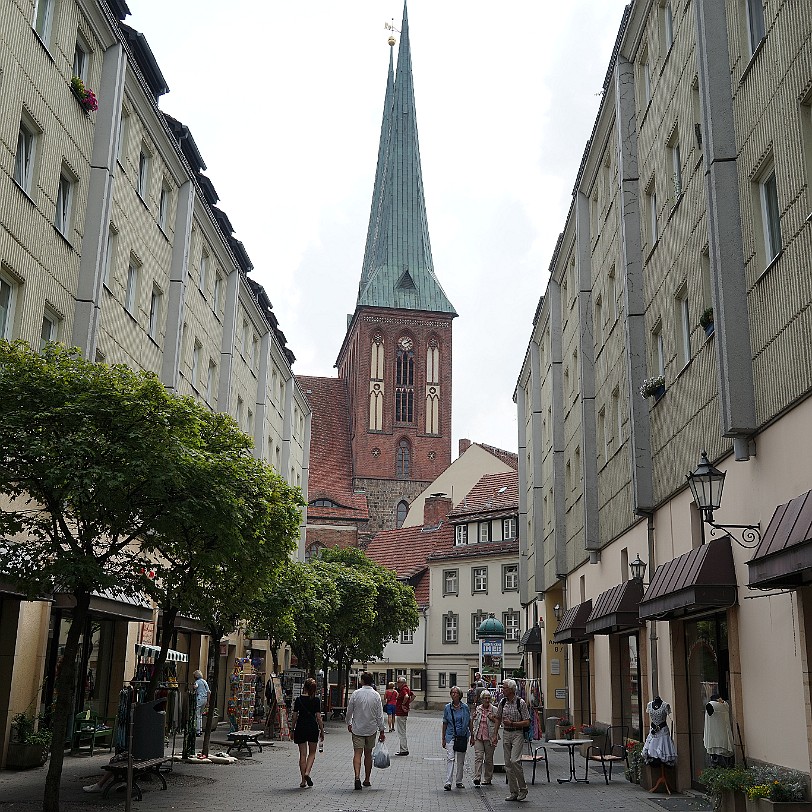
284, 100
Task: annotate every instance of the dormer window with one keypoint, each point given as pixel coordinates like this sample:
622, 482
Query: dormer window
462, 534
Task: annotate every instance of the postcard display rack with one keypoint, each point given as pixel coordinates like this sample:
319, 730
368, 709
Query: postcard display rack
243, 695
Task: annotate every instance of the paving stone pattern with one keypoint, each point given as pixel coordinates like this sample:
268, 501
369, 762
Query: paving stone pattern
270, 781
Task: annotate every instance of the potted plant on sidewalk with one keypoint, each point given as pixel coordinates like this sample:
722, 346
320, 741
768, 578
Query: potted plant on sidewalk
726, 787
777, 789
30, 743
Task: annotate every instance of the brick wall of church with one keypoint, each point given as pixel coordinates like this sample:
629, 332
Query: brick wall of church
374, 452
383, 496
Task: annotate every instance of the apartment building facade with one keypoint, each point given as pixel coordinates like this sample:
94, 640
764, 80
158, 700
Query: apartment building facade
681, 271
111, 240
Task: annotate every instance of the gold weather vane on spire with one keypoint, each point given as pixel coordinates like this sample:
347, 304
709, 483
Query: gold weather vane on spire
391, 27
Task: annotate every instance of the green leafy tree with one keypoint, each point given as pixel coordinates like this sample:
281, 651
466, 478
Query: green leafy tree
92, 457
250, 550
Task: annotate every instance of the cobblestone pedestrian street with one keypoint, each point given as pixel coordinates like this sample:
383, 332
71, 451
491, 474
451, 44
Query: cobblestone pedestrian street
270, 781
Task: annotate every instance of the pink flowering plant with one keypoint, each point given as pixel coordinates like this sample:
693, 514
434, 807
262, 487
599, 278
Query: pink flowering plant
84, 95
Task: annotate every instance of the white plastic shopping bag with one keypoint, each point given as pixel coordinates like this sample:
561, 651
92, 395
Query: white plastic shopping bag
380, 756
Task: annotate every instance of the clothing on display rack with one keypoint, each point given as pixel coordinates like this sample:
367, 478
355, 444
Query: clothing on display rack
659, 746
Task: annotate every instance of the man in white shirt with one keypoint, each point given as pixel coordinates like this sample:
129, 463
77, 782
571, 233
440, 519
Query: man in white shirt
365, 722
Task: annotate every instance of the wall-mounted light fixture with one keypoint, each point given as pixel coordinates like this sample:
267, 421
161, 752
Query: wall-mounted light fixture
558, 611
707, 484
638, 569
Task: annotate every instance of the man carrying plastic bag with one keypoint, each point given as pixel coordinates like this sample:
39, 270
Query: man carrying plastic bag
380, 756
364, 720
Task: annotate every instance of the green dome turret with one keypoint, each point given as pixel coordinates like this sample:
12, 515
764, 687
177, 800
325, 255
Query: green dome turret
491, 627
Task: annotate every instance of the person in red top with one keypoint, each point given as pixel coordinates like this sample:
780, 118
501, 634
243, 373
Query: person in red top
390, 699
404, 700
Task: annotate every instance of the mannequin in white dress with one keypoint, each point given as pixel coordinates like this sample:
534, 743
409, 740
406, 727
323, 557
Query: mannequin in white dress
718, 738
659, 746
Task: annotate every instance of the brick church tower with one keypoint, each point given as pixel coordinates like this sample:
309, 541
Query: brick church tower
395, 360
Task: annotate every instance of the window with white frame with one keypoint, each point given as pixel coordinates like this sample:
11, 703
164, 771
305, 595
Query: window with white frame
450, 628
163, 206
43, 19
218, 292
479, 579
24, 159
770, 215
442, 679
450, 582
109, 254
142, 180
511, 622
407, 636
210, 379
509, 525
668, 25
417, 680
617, 417
81, 58
484, 531
197, 350
510, 577
461, 534
122, 135
50, 328
683, 322
651, 201
603, 448
154, 312
204, 272
477, 619
676, 165
658, 349
645, 78
131, 291
64, 203
755, 23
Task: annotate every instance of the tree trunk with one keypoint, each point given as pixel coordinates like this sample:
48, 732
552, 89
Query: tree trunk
216, 635
167, 627
65, 686
274, 654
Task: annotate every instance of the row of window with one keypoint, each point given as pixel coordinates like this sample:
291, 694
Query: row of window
451, 622
479, 579
484, 532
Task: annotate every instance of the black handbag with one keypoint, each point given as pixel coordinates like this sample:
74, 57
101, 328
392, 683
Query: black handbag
460, 742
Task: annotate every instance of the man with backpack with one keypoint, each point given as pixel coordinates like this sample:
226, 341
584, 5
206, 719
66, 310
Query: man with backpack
402, 703
514, 715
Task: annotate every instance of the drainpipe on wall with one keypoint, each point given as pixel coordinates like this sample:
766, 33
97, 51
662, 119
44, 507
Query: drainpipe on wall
652, 634
425, 613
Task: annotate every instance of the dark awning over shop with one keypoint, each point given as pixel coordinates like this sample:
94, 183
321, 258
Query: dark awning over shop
110, 605
531, 639
784, 556
697, 581
572, 626
616, 609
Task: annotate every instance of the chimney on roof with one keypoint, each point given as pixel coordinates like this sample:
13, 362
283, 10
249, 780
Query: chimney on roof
436, 509
464, 446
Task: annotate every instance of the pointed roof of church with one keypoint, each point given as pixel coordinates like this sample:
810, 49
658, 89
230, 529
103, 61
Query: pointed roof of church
398, 271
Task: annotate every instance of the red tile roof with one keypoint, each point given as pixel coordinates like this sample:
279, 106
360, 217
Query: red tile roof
494, 494
405, 551
331, 476
508, 457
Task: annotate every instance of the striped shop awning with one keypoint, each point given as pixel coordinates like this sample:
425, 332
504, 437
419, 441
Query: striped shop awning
143, 650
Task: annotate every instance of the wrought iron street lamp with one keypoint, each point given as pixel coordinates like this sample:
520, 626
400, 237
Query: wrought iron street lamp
638, 569
706, 484
558, 611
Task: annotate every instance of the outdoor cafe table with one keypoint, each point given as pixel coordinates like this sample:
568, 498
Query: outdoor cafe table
571, 744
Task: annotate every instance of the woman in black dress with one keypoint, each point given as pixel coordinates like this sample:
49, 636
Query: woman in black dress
308, 729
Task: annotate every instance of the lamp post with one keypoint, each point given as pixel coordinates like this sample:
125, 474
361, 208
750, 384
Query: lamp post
706, 484
638, 571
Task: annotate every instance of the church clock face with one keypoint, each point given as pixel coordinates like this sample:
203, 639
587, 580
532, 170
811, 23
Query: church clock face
405, 343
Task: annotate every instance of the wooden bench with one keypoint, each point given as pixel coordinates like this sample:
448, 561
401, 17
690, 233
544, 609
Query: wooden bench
89, 726
140, 768
244, 738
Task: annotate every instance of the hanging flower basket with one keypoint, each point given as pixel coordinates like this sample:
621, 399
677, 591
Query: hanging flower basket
653, 387
84, 95
706, 321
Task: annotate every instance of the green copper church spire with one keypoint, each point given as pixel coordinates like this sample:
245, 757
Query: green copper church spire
398, 271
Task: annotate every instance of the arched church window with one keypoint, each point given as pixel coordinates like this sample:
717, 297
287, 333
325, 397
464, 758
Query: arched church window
404, 381
404, 460
403, 509
376, 384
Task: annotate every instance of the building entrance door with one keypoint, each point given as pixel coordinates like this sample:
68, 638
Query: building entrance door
708, 672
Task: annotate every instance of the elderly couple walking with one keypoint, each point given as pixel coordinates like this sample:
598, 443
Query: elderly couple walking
512, 714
